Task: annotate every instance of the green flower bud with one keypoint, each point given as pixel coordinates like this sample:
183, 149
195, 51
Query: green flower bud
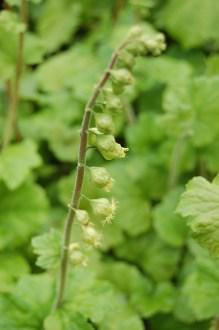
109, 148
126, 59
104, 123
74, 246
101, 177
137, 47
91, 236
112, 102
122, 77
104, 208
135, 32
82, 217
154, 45
77, 258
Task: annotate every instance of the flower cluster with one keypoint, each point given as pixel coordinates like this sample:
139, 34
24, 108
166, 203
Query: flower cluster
101, 136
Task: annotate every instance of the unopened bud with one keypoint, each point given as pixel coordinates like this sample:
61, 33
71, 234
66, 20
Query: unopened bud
101, 177
109, 148
126, 59
74, 246
77, 258
91, 236
135, 32
113, 103
122, 77
82, 217
154, 45
104, 123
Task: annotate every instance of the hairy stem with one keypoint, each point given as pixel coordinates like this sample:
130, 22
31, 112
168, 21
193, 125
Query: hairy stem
75, 199
11, 125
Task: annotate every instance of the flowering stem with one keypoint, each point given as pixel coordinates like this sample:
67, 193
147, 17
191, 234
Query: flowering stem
75, 199
11, 124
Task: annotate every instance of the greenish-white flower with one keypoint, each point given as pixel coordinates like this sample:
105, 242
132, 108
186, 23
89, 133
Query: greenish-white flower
105, 208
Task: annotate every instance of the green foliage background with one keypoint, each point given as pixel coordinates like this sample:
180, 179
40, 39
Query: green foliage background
150, 273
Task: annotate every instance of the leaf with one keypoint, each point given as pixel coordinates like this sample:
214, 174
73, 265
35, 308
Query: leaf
25, 308
143, 296
203, 22
22, 213
151, 254
169, 225
168, 322
55, 35
47, 247
200, 202
200, 292
13, 266
64, 142
34, 49
127, 278
129, 194
191, 110
17, 161
86, 292
121, 317
144, 132
69, 70
64, 320
164, 69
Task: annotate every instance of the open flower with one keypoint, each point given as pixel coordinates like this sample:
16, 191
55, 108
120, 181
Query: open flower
105, 208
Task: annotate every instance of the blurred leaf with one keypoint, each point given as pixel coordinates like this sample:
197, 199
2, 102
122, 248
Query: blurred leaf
70, 70
169, 225
113, 310
200, 202
24, 211
129, 194
151, 254
34, 49
144, 132
164, 69
25, 309
167, 322
144, 297
192, 110
47, 247
17, 161
200, 293
67, 14
65, 319
13, 266
203, 23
